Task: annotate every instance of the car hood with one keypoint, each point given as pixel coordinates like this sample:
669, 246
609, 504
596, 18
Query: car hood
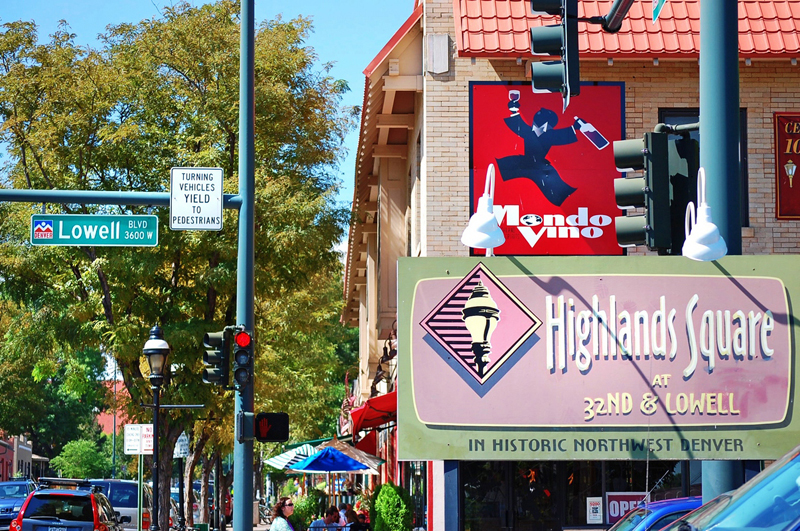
11, 502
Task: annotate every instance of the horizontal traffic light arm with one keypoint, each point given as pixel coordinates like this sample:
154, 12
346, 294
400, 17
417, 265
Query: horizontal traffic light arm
611, 21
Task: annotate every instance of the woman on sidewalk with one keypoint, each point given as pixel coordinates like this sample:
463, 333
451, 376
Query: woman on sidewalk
280, 515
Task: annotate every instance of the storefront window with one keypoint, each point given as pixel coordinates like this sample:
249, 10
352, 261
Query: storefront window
536, 495
660, 478
550, 495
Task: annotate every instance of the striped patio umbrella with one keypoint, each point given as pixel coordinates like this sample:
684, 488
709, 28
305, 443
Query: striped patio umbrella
290, 457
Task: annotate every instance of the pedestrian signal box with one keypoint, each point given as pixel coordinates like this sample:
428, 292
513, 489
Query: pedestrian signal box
272, 427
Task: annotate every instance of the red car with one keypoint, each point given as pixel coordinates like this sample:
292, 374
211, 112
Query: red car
59, 505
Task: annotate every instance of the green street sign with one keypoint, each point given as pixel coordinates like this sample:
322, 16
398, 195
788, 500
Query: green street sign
98, 230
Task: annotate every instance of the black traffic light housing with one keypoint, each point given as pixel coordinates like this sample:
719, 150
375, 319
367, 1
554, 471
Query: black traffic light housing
563, 75
684, 163
243, 353
216, 358
651, 192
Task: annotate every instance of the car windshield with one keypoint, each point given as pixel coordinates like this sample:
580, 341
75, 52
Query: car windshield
631, 520
74, 508
13, 491
771, 499
697, 513
124, 495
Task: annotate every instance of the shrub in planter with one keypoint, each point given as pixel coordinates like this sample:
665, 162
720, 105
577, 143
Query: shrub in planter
392, 508
306, 508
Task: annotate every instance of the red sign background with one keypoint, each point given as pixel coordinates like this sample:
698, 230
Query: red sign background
787, 151
583, 224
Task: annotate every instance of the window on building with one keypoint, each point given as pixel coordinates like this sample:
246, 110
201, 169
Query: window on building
692, 115
548, 495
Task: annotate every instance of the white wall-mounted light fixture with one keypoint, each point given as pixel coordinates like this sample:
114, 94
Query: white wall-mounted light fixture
790, 168
483, 231
703, 240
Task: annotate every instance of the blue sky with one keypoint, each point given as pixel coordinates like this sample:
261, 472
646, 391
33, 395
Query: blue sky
349, 33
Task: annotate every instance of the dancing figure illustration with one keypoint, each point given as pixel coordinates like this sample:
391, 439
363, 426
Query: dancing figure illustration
538, 138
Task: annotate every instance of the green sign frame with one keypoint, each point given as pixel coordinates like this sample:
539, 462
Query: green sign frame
610, 358
98, 230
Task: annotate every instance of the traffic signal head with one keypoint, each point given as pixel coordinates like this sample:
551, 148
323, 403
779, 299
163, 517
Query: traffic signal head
242, 357
216, 358
650, 192
563, 75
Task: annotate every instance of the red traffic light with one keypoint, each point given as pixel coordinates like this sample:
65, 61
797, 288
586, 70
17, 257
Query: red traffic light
243, 339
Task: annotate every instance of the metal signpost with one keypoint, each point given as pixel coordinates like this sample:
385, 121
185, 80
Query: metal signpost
94, 229
139, 441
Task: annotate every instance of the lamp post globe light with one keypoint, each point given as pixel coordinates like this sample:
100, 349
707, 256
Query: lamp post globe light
156, 349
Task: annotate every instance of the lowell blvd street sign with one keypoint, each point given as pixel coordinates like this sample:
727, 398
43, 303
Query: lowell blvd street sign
95, 229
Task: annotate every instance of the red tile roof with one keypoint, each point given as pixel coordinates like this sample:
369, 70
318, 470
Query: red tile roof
499, 28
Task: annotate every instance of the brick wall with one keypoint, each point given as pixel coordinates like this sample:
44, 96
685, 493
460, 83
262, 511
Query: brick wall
766, 86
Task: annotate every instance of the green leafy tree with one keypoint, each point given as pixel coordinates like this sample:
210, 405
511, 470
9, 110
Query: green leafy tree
81, 459
52, 404
159, 94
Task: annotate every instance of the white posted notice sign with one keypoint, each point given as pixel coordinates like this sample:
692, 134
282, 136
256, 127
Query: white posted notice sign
138, 439
195, 199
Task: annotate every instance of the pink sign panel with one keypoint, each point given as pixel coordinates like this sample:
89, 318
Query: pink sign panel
600, 351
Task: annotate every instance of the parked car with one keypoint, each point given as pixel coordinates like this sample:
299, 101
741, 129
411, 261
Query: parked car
195, 500
228, 511
770, 500
67, 505
12, 495
123, 496
697, 513
657, 514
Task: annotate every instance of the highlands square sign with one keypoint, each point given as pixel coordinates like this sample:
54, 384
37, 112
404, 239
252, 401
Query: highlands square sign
555, 358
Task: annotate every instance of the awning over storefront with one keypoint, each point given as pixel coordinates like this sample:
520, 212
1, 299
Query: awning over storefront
358, 454
369, 443
375, 412
290, 457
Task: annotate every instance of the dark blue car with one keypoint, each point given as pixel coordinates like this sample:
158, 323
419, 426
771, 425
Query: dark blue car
12, 496
658, 514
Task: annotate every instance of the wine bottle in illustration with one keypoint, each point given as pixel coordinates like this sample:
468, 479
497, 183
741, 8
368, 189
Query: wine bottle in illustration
591, 133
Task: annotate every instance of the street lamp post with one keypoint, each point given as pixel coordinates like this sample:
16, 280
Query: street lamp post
156, 349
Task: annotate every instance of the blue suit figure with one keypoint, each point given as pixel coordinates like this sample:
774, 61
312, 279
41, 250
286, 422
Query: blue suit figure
534, 165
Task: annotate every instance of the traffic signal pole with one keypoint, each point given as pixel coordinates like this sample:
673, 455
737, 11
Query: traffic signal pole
719, 156
245, 289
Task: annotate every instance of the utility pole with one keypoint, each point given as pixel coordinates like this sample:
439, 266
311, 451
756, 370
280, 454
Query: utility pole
243, 447
719, 156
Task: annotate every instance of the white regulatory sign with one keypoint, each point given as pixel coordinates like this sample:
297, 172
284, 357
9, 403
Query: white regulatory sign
195, 199
138, 439
181, 447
